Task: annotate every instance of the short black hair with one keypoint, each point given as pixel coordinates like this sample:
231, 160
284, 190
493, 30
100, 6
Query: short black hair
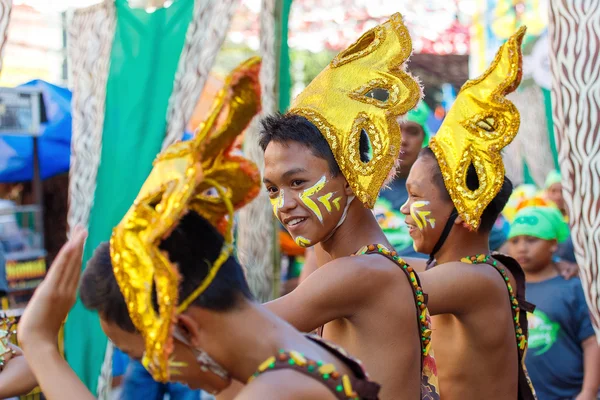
194, 245
493, 210
282, 128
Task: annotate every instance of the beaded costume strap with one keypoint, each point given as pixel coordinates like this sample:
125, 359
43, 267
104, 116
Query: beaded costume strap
487, 259
339, 384
6, 332
420, 300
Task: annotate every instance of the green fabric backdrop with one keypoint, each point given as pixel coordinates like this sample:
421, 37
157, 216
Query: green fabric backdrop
144, 58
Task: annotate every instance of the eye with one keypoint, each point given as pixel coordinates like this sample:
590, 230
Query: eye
272, 190
297, 182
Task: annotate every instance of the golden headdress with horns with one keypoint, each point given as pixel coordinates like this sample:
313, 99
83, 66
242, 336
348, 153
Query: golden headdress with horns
185, 177
479, 125
365, 88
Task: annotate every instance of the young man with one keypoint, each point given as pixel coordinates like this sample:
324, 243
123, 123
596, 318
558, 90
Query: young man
169, 292
563, 352
325, 162
457, 189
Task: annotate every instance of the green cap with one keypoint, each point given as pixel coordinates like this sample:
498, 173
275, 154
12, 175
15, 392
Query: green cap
419, 115
545, 223
552, 178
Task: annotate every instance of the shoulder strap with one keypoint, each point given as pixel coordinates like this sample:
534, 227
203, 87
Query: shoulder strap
526, 391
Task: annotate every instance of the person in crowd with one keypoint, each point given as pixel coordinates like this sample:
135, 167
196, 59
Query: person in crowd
325, 162
457, 189
563, 358
170, 293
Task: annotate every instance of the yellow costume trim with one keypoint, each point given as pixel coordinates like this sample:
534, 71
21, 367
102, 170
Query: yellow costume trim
202, 175
364, 89
478, 126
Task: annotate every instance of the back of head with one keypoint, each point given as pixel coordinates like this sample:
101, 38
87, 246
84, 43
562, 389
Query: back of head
194, 245
494, 208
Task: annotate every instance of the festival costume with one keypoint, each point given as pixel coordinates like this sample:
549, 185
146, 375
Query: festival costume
380, 92
478, 126
343, 387
185, 177
6, 332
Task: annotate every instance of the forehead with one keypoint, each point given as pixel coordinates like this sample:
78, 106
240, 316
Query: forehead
283, 156
129, 343
421, 173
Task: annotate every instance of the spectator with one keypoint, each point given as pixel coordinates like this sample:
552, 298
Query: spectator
563, 353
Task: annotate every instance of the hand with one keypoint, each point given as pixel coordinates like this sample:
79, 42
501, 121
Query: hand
587, 394
55, 296
567, 269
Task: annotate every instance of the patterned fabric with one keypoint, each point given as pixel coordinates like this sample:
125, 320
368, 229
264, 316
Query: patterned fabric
5, 9
343, 387
90, 42
256, 220
205, 36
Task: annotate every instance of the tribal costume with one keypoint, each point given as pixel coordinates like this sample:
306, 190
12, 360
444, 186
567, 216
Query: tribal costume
368, 105
479, 125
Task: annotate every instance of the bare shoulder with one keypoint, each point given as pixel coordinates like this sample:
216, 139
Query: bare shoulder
372, 269
285, 384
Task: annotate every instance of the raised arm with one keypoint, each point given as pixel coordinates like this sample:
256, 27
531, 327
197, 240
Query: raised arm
39, 326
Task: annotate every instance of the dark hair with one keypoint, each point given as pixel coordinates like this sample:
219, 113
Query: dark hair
493, 210
193, 246
282, 128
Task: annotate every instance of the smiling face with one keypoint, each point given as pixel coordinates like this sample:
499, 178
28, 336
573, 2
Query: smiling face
306, 198
428, 208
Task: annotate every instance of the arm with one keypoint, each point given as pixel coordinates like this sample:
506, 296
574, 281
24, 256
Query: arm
40, 324
591, 372
325, 296
16, 379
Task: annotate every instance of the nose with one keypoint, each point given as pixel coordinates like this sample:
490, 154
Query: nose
289, 201
405, 208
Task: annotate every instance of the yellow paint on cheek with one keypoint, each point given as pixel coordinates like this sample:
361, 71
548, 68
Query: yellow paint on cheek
325, 201
277, 202
336, 203
311, 191
302, 241
421, 217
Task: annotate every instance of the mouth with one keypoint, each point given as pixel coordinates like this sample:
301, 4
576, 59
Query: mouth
294, 223
411, 228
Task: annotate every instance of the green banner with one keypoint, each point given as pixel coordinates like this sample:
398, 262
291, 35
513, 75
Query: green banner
145, 55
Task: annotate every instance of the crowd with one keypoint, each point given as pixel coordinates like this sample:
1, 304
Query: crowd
400, 266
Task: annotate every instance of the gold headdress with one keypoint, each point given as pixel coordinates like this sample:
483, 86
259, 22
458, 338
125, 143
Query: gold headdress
365, 87
478, 126
184, 178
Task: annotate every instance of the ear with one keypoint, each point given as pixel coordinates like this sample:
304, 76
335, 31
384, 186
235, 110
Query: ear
189, 327
347, 189
458, 220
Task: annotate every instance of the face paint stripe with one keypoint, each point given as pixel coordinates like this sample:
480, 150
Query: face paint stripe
305, 197
325, 201
277, 203
302, 241
336, 203
420, 217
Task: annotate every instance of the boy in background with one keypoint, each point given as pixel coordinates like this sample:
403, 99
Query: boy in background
563, 353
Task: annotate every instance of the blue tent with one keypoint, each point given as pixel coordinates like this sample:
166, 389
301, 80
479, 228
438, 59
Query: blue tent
16, 152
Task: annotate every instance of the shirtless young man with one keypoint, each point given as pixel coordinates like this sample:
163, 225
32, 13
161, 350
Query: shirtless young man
322, 181
169, 291
457, 189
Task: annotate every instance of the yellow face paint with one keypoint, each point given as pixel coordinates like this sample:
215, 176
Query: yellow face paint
336, 203
302, 241
311, 191
421, 217
277, 202
325, 201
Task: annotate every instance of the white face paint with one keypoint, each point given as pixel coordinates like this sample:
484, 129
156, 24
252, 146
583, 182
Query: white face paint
419, 212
